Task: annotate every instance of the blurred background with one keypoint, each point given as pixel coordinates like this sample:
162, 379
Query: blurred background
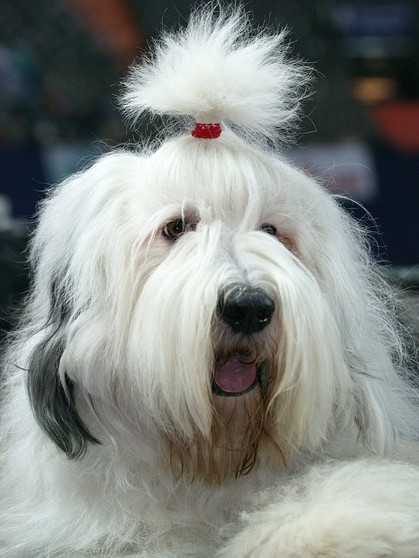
61, 62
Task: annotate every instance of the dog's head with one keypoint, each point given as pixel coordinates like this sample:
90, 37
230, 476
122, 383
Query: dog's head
204, 296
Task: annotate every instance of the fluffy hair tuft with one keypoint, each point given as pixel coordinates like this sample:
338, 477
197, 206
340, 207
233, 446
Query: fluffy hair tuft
219, 70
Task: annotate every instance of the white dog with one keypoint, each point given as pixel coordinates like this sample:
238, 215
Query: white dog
208, 362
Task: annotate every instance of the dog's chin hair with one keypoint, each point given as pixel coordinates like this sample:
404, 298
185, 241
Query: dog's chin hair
242, 435
243, 431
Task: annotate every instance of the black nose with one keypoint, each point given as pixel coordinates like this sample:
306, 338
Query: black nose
245, 309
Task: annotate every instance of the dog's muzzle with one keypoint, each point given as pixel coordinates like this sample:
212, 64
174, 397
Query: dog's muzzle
246, 311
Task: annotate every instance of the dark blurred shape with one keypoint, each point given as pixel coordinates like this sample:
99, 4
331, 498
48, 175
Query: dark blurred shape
114, 26
14, 278
398, 124
57, 71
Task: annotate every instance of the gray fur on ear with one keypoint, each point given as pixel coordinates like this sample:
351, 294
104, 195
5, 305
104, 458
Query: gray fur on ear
53, 403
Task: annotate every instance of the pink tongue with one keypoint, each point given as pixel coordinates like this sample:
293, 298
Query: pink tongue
235, 376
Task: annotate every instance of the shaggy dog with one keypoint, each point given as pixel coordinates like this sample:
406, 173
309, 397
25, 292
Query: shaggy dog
207, 364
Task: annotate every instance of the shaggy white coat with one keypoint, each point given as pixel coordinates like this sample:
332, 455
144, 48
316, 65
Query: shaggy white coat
112, 442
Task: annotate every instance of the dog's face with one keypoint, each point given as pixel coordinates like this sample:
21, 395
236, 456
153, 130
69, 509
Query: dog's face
192, 304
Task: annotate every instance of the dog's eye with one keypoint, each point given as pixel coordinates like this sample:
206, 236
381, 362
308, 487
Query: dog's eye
175, 229
269, 229
285, 240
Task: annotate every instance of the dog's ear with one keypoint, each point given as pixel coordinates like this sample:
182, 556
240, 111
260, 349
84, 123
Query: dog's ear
52, 402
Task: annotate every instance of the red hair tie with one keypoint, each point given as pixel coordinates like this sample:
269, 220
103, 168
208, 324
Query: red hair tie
206, 131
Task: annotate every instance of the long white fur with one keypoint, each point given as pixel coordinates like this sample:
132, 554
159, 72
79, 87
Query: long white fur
137, 338
219, 70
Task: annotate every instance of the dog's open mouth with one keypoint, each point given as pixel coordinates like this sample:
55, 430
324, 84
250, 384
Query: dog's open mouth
235, 376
